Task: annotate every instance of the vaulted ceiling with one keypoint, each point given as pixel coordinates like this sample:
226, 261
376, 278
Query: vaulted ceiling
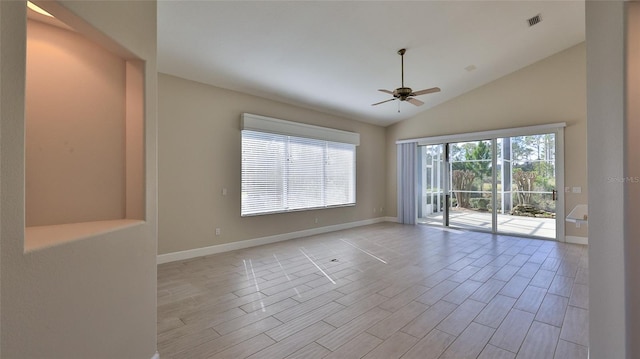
333, 56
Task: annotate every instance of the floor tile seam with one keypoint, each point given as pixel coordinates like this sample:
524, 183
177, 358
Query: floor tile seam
287, 336
162, 342
216, 314
527, 311
528, 330
523, 338
342, 307
501, 321
291, 288
262, 297
472, 320
211, 306
221, 349
330, 351
488, 343
437, 324
450, 344
564, 311
378, 307
572, 342
246, 325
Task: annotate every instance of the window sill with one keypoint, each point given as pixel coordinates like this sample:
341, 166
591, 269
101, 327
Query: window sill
296, 210
39, 237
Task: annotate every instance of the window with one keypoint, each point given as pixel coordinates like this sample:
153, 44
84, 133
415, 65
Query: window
282, 172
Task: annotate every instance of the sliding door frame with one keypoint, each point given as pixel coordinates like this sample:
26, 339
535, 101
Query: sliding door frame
555, 128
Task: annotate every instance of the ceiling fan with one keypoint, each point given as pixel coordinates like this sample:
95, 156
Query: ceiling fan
406, 93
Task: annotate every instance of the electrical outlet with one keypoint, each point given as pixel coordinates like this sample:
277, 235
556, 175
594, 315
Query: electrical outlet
576, 189
218, 231
315, 220
374, 209
224, 191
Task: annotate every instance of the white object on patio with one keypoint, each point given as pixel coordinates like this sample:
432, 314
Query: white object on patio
579, 215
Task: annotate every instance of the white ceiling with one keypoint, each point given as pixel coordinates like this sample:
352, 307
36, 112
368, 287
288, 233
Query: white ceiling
332, 56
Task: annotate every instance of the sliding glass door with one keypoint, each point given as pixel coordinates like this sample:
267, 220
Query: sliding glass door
432, 182
501, 185
528, 198
471, 184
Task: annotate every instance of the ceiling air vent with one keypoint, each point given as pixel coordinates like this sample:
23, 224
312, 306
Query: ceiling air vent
534, 20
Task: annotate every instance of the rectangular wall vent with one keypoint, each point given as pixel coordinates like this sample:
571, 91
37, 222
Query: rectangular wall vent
534, 20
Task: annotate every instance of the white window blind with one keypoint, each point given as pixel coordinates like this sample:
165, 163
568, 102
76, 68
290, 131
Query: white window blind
282, 173
263, 171
340, 174
304, 185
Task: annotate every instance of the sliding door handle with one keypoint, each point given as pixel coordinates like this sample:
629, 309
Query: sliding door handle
554, 195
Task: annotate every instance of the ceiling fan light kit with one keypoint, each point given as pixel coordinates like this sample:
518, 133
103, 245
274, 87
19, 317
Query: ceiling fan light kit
406, 93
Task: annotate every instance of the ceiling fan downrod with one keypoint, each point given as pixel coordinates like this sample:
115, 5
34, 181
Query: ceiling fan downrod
401, 53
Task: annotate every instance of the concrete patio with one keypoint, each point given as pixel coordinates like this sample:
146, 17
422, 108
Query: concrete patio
507, 224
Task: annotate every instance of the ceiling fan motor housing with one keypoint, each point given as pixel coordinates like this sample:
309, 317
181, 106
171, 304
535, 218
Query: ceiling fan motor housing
402, 93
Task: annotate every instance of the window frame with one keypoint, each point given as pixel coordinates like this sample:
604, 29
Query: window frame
283, 132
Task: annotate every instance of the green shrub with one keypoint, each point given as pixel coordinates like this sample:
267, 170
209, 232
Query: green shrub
479, 203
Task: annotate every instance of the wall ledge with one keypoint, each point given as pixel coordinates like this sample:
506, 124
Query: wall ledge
39, 237
226, 247
576, 240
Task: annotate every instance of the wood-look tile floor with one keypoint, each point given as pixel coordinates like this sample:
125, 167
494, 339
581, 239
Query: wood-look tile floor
380, 291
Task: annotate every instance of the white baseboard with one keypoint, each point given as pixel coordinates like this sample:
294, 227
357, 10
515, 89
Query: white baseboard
392, 219
226, 247
156, 356
576, 240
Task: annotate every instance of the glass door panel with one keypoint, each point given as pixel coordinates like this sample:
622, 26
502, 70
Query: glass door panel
471, 185
529, 189
431, 181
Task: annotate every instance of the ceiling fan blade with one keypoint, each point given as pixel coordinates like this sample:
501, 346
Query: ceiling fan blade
393, 99
386, 91
424, 92
415, 101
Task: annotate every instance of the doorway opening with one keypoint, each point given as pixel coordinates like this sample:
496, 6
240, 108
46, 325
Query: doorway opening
505, 184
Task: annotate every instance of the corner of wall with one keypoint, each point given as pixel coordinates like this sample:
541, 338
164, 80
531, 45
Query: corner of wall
605, 33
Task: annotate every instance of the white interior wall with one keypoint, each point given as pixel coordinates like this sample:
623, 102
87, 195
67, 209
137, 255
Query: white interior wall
91, 298
632, 194
75, 129
605, 22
